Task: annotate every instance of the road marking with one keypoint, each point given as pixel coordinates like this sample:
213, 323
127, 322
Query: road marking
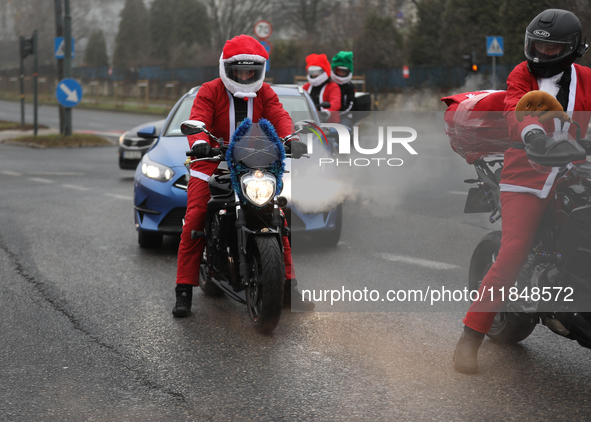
40, 180
75, 187
417, 261
56, 173
117, 196
11, 173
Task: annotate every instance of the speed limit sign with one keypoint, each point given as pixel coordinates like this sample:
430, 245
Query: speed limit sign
263, 29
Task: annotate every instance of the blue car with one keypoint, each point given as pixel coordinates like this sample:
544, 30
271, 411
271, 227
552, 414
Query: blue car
161, 178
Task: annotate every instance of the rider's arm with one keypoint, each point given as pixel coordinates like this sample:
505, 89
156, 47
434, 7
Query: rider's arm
334, 96
203, 111
348, 95
519, 83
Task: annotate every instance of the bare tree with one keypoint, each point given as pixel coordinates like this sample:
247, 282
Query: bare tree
23, 16
306, 17
234, 17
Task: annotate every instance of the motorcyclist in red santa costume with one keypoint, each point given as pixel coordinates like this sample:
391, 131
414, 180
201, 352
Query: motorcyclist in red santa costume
320, 87
553, 40
222, 105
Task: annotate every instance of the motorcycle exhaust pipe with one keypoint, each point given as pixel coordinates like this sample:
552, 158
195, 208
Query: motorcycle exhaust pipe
557, 327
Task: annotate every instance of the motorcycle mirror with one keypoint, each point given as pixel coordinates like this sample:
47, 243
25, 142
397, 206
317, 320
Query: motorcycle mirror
303, 126
192, 127
324, 116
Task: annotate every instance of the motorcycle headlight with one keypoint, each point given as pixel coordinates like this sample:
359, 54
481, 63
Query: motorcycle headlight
258, 187
155, 170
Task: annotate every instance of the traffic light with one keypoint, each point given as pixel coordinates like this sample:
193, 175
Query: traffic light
469, 62
27, 47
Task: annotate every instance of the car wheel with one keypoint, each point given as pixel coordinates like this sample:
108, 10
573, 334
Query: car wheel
149, 240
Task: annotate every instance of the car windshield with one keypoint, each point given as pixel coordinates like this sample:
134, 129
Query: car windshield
291, 104
182, 113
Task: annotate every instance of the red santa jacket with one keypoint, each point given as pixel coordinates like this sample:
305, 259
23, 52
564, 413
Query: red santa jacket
518, 175
214, 106
332, 94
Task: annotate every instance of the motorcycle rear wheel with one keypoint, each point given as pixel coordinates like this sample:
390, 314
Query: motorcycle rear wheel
264, 295
508, 327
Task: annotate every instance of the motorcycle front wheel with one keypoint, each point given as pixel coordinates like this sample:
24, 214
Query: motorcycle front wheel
264, 294
508, 327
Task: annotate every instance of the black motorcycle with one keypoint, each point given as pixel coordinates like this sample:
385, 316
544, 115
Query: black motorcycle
554, 286
244, 226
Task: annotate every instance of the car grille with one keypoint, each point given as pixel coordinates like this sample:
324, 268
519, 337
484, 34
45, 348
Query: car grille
295, 223
137, 142
182, 182
173, 221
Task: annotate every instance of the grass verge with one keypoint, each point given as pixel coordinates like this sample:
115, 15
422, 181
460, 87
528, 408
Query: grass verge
4, 125
76, 140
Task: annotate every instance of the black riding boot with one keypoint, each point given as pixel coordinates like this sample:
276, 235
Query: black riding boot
467, 350
184, 296
292, 295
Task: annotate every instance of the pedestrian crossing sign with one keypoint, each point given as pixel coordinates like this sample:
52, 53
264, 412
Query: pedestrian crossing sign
494, 46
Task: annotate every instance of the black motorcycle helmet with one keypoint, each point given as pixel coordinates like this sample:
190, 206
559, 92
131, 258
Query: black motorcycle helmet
553, 42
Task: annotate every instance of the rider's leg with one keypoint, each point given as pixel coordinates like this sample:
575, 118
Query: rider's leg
522, 214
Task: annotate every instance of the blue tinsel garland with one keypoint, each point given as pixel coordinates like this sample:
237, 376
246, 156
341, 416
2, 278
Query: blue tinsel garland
238, 169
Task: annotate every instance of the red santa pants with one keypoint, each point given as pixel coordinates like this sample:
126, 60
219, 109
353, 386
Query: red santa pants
522, 214
191, 250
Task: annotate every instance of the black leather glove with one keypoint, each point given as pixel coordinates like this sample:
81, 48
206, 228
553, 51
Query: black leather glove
201, 149
296, 148
538, 140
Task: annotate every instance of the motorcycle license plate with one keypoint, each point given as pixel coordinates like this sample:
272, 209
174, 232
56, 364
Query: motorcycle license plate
132, 155
477, 201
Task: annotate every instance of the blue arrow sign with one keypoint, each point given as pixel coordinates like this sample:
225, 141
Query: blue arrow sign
494, 46
68, 92
59, 47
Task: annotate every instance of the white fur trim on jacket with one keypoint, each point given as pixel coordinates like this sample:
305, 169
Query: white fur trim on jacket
540, 193
339, 80
199, 175
318, 80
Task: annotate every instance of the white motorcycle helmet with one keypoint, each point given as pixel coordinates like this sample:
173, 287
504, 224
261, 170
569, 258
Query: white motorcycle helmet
242, 66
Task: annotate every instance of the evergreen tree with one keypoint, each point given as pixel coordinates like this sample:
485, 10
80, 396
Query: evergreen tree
516, 17
132, 41
379, 44
466, 24
178, 28
162, 17
193, 25
424, 38
96, 50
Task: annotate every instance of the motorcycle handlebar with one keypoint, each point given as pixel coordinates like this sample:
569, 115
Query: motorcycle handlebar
214, 152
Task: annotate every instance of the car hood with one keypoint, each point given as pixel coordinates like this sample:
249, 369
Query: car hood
170, 151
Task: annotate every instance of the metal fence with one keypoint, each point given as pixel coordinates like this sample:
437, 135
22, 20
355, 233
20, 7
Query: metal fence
166, 83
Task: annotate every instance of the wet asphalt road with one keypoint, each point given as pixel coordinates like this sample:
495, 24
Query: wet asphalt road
87, 334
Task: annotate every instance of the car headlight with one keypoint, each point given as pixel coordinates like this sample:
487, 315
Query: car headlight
121, 138
155, 170
258, 187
